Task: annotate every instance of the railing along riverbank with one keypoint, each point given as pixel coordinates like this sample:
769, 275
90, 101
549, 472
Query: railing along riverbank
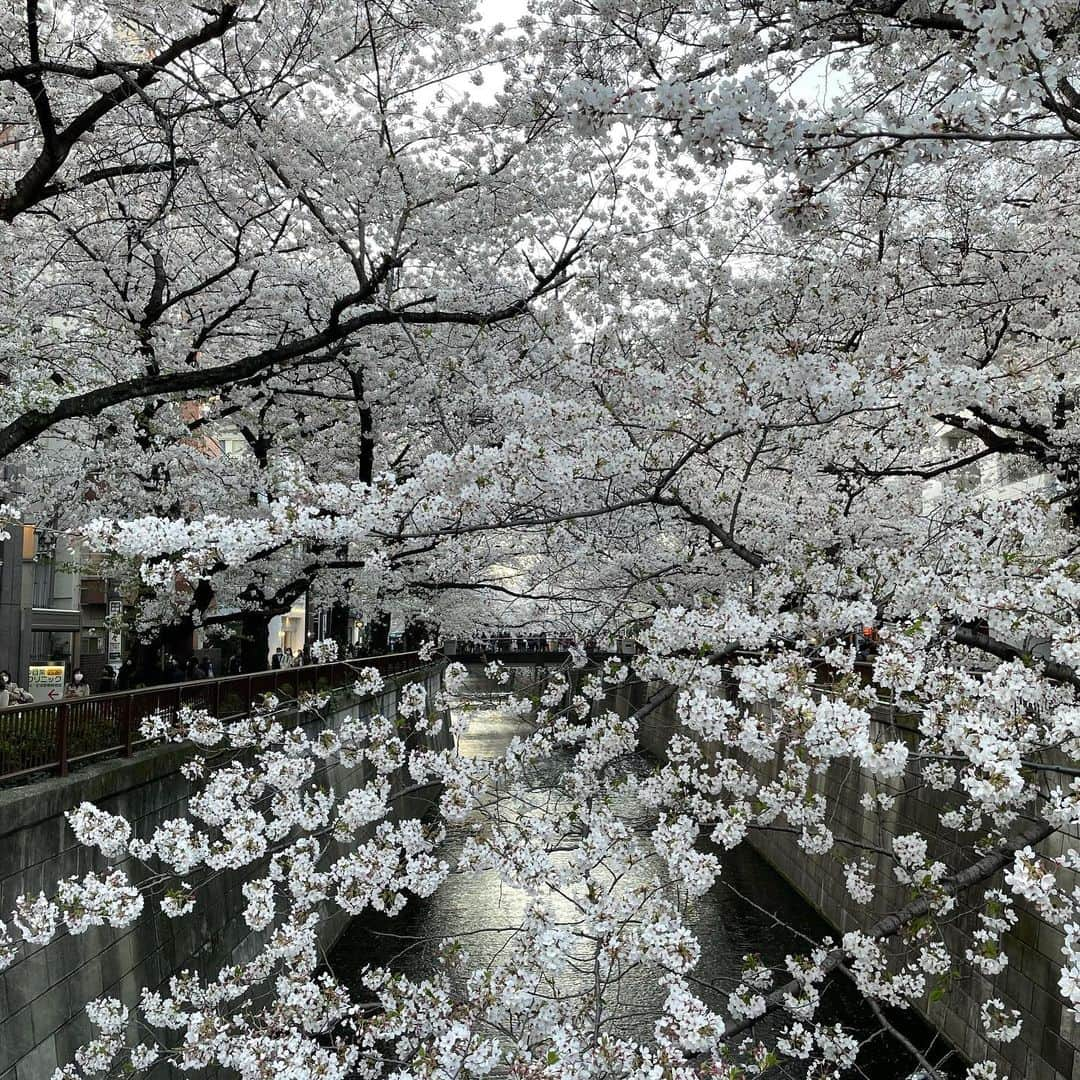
54, 736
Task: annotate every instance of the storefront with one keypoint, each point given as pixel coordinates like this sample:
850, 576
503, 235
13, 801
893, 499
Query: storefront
287, 631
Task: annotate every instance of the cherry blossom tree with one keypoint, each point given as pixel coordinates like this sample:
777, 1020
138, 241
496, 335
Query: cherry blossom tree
300, 225
745, 433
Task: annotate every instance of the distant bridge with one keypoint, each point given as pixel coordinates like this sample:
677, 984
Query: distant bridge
530, 656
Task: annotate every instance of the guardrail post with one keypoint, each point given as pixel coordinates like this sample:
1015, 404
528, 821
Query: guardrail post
129, 725
62, 740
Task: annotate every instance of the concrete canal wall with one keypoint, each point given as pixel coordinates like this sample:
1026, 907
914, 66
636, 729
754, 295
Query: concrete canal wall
1048, 1047
42, 996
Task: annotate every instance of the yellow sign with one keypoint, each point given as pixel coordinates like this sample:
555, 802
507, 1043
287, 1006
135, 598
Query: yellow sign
46, 682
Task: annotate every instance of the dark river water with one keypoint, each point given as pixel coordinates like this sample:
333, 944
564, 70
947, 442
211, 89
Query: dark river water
750, 910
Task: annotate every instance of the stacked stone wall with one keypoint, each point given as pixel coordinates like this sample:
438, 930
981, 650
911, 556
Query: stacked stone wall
1048, 1047
44, 994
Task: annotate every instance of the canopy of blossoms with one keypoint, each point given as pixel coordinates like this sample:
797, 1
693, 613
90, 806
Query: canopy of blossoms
735, 328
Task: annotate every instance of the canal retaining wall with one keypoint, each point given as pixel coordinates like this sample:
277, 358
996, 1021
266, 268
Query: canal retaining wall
43, 995
1048, 1047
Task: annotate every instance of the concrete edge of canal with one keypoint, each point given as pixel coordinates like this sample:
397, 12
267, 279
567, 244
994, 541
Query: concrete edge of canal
1048, 1047
43, 995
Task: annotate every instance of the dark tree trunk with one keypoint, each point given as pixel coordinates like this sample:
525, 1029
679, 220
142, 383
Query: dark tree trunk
254, 641
147, 657
379, 635
177, 639
154, 658
341, 626
415, 634
174, 642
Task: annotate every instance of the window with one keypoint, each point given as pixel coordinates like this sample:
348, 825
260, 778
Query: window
48, 646
44, 572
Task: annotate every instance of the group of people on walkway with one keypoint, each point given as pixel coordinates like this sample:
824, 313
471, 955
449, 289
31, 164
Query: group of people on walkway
126, 678
529, 643
191, 670
286, 658
172, 671
130, 676
11, 693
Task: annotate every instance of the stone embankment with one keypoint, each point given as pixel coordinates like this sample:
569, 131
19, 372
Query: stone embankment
43, 995
1048, 1047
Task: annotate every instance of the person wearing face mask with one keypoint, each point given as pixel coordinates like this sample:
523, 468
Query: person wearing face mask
78, 687
11, 693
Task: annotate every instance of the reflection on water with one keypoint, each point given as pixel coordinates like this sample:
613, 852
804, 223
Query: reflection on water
750, 910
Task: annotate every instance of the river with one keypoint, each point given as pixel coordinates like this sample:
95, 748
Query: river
750, 910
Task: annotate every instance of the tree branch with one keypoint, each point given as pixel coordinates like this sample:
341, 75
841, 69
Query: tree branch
36, 183
977, 639
298, 352
892, 924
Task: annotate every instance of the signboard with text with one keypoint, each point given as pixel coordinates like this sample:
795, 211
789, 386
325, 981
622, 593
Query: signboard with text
115, 647
46, 682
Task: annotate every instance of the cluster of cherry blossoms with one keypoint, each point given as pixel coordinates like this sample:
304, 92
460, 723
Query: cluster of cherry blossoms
593, 888
744, 331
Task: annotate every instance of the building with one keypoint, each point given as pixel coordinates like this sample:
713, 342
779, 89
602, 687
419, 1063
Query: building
55, 605
999, 476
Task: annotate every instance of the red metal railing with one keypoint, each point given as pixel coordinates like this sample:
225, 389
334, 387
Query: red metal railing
53, 736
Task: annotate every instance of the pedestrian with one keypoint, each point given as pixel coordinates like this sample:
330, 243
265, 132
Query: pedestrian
287, 659
205, 670
108, 681
276, 659
78, 687
11, 693
235, 665
126, 675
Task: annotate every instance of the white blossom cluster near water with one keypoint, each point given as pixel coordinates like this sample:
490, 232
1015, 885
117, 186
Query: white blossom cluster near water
742, 332
596, 893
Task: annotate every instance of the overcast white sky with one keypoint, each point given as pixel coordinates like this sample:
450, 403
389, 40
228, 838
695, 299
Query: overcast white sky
505, 11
